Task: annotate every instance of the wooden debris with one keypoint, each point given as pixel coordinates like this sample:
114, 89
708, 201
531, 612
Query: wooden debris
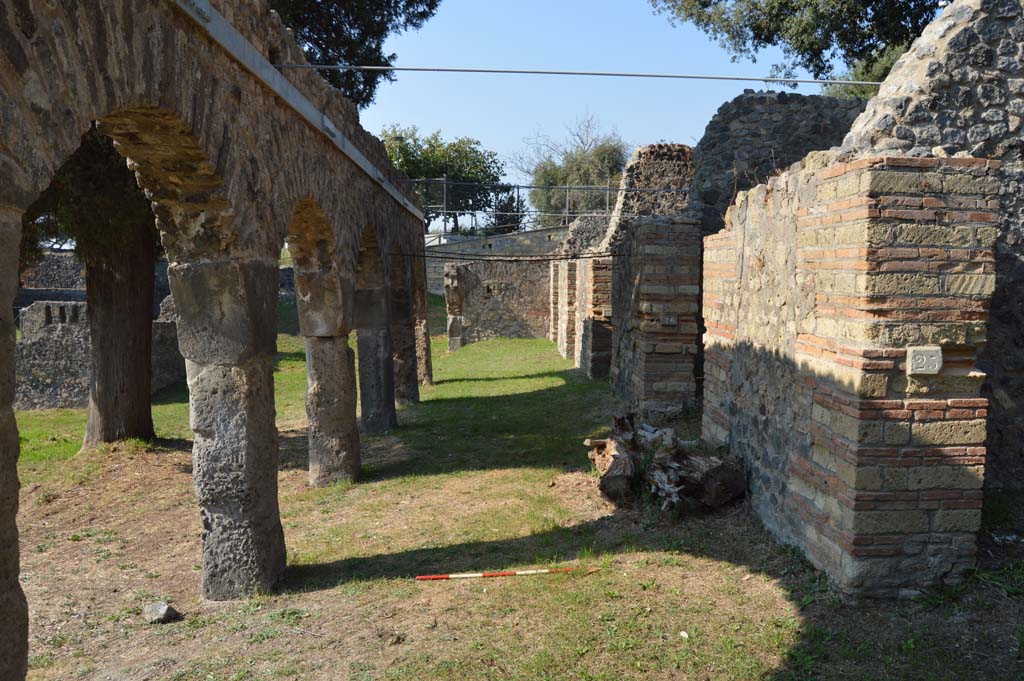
639, 456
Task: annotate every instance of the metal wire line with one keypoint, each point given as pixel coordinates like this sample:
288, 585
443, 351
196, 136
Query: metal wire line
447, 255
596, 74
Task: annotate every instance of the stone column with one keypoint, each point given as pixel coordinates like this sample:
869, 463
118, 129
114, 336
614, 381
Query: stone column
13, 608
331, 407
376, 364
403, 348
421, 312
227, 333
325, 305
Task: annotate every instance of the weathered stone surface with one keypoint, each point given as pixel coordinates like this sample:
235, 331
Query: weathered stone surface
496, 300
755, 136
160, 613
235, 460
54, 363
331, 408
325, 303
534, 242
421, 313
227, 311
376, 380
13, 607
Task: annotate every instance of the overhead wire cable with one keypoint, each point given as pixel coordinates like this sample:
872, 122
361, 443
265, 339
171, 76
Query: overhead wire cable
590, 74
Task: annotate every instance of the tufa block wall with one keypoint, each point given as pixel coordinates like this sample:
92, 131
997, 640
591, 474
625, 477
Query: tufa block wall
959, 91
825, 280
488, 300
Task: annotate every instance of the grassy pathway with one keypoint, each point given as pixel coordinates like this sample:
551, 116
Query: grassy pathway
486, 473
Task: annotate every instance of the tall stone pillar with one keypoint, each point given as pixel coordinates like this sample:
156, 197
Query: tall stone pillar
421, 312
331, 407
376, 363
227, 333
325, 308
403, 340
14, 609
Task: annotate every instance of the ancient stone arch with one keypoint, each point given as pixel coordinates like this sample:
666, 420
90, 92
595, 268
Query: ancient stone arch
226, 148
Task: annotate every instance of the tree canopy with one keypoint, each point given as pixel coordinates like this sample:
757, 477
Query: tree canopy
588, 156
352, 32
813, 34
463, 161
88, 203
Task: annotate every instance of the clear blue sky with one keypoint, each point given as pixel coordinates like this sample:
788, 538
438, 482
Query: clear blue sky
606, 35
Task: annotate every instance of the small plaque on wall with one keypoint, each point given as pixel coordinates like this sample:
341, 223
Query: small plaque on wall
924, 361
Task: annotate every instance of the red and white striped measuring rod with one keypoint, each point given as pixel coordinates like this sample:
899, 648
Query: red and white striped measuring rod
490, 575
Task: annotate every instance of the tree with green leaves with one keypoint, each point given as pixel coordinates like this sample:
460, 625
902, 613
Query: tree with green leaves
352, 32
510, 212
874, 71
813, 34
588, 156
94, 203
471, 172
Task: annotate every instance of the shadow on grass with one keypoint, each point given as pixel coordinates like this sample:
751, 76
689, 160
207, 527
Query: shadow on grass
540, 428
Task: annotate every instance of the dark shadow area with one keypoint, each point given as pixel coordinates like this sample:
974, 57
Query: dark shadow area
492, 379
972, 631
542, 428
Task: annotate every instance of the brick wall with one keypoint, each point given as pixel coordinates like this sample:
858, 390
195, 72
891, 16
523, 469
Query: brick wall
824, 282
656, 317
488, 300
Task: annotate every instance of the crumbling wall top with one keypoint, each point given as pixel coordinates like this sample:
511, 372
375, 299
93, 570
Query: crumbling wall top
956, 92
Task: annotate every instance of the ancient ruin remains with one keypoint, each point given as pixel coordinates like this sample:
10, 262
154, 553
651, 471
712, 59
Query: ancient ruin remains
496, 299
847, 306
236, 157
54, 362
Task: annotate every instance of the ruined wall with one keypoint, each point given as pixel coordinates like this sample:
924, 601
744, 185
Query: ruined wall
656, 181
488, 300
845, 307
656, 316
535, 242
757, 135
54, 363
56, 269
584, 235
59, 276
960, 91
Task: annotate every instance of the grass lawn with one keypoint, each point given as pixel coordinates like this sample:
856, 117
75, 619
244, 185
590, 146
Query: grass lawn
486, 473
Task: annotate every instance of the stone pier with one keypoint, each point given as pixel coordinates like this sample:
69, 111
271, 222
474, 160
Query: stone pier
376, 361
226, 326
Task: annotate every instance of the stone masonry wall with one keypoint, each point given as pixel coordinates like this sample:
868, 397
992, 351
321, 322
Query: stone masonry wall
666, 168
54, 362
488, 300
56, 269
757, 135
960, 91
585, 234
656, 316
59, 276
845, 307
535, 242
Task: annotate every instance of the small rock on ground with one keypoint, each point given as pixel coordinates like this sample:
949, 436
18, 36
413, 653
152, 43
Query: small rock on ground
160, 613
